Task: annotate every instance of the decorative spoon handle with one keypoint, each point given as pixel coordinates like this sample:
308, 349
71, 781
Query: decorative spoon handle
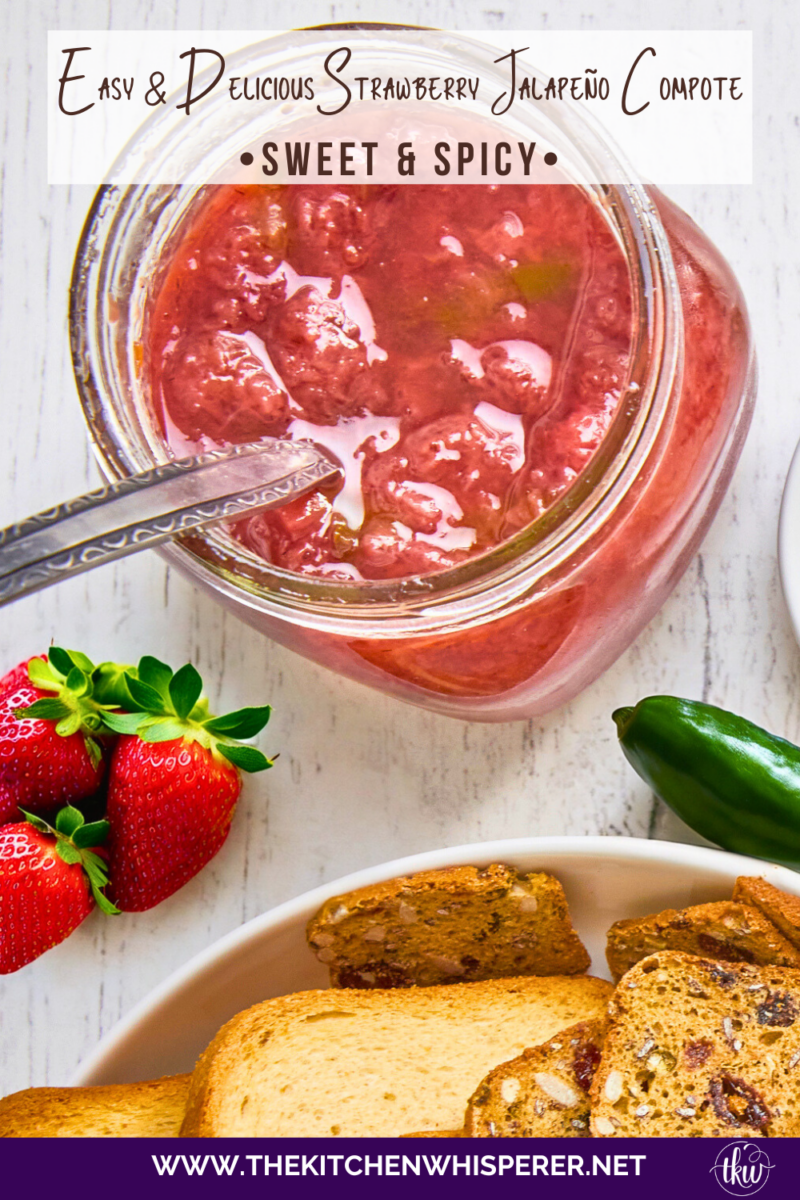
154, 506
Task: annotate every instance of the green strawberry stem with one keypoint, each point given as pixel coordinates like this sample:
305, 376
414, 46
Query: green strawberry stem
74, 839
77, 705
158, 705
169, 705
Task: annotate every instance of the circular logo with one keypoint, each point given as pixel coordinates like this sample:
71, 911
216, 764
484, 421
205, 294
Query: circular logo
742, 1168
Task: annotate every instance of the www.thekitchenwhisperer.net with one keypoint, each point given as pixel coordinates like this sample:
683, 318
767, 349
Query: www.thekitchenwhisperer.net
398, 1165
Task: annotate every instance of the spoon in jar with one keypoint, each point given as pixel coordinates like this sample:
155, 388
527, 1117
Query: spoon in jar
158, 504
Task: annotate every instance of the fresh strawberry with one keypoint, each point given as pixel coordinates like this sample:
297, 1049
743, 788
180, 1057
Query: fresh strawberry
170, 806
50, 880
173, 783
49, 727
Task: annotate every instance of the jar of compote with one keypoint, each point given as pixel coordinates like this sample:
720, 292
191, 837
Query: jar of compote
537, 391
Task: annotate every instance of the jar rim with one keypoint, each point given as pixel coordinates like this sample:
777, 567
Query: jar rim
473, 590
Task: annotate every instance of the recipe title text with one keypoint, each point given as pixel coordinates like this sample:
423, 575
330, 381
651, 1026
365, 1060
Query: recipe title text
82, 84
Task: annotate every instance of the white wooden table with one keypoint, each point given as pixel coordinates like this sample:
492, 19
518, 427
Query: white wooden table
362, 778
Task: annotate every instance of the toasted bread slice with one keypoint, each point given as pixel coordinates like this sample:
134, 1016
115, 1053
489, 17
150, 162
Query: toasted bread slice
456, 925
697, 1048
154, 1109
728, 931
374, 1063
781, 908
542, 1093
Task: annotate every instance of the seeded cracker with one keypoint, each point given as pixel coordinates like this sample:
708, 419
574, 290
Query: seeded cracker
781, 908
725, 930
697, 1048
461, 924
542, 1093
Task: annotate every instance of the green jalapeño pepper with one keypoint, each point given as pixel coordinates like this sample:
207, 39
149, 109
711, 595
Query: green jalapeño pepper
727, 778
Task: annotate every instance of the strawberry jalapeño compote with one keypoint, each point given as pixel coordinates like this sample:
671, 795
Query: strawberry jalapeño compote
537, 394
460, 350
537, 391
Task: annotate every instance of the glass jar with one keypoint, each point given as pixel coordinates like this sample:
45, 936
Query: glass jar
523, 628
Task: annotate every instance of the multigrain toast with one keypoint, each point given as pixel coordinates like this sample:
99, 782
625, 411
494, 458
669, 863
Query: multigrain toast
460, 924
781, 908
725, 930
697, 1048
542, 1093
369, 1063
154, 1109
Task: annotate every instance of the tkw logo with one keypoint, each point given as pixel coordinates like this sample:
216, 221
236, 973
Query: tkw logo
742, 1168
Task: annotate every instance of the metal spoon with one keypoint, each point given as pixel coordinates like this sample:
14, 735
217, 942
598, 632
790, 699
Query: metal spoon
154, 506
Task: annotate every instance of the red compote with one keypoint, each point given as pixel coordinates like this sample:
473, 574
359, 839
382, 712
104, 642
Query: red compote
461, 351
475, 357
538, 393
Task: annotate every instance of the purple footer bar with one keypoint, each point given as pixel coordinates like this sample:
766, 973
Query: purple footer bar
133, 1169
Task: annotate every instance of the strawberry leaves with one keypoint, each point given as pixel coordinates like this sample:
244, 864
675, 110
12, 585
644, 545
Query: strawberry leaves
170, 705
123, 722
65, 661
154, 674
75, 707
74, 842
185, 688
157, 704
44, 710
43, 676
145, 697
243, 723
246, 758
110, 685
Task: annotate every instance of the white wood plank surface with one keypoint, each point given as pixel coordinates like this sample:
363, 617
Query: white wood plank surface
361, 778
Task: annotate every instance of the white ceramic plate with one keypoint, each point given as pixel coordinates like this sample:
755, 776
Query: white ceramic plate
789, 542
605, 879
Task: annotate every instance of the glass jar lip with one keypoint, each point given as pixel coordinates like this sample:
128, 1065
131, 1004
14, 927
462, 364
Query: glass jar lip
472, 590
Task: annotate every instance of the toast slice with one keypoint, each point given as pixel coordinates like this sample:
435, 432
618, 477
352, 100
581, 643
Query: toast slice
461, 924
544, 1092
697, 1048
154, 1109
724, 930
373, 1063
781, 908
